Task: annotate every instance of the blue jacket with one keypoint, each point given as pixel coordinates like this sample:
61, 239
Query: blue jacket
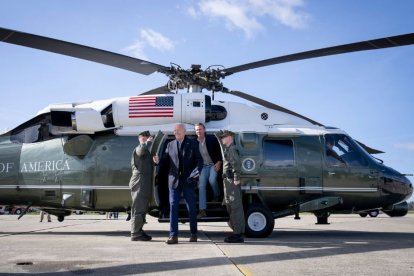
191, 158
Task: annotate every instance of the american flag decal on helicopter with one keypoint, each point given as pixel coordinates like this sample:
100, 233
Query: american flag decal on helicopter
151, 106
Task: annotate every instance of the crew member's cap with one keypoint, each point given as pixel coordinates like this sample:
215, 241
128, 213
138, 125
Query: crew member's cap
226, 133
145, 133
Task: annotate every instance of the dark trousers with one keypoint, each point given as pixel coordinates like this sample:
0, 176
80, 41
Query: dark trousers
175, 197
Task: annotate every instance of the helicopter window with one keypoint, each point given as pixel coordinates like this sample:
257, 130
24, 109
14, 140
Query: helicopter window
31, 134
28, 135
35, 130
340, 150
278, 154
216, 113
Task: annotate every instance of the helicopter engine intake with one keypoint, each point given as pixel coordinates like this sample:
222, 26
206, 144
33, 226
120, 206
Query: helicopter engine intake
136, 111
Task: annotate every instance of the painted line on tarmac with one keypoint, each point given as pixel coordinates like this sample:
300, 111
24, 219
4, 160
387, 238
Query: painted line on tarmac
239, 267
37, 230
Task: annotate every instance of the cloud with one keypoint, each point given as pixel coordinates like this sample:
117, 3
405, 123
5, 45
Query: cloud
136, 50
406, 146
234, 15
156, 40
285, 12
149, 38
248, 15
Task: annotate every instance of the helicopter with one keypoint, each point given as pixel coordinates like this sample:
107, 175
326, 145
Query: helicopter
76, 156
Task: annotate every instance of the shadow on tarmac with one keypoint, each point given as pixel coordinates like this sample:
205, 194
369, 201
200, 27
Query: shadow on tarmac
315, 244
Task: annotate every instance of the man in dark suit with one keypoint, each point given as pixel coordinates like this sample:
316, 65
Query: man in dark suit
182, 156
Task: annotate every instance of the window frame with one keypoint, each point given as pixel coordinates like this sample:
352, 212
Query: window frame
276, 141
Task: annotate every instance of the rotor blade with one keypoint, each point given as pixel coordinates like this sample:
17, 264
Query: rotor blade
269, 105
387, 42
80, 51
159, 90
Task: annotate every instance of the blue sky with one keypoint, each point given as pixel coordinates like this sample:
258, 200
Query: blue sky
368, 94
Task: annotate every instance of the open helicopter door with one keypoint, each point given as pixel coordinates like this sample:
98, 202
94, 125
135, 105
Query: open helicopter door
248, 145
257, 184
160, 184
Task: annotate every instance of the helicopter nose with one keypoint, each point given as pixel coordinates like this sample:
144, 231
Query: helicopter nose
396, 187
405, 188
410, 188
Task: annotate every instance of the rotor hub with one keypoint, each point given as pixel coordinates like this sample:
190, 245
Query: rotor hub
209, 79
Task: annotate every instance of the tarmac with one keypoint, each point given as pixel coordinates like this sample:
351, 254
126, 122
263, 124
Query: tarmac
89, 244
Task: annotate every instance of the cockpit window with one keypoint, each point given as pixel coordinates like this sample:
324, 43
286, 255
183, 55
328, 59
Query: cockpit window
35, 130
341, 150
27, 135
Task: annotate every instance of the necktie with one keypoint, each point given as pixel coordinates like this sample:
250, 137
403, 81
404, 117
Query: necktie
180, 159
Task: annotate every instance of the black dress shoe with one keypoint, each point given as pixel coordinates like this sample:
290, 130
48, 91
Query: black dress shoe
143, 237
236, 238
172, 240
193, 238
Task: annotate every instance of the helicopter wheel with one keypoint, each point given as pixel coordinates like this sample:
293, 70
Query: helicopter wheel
259, 221
363, 215
373, 213
61, 218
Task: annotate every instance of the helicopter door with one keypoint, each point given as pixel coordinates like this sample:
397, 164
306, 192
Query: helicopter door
160, 179
76, 150
9, 169
278, 172
41, 165
248, 146
347, 172
308, 155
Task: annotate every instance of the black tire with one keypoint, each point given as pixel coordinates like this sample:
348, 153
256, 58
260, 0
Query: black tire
259, 221
363, 215
61, 218
18, 211
373, 213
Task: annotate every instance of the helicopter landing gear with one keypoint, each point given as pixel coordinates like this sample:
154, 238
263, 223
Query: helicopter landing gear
61, 218
259, 221
373, 213
322, 217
